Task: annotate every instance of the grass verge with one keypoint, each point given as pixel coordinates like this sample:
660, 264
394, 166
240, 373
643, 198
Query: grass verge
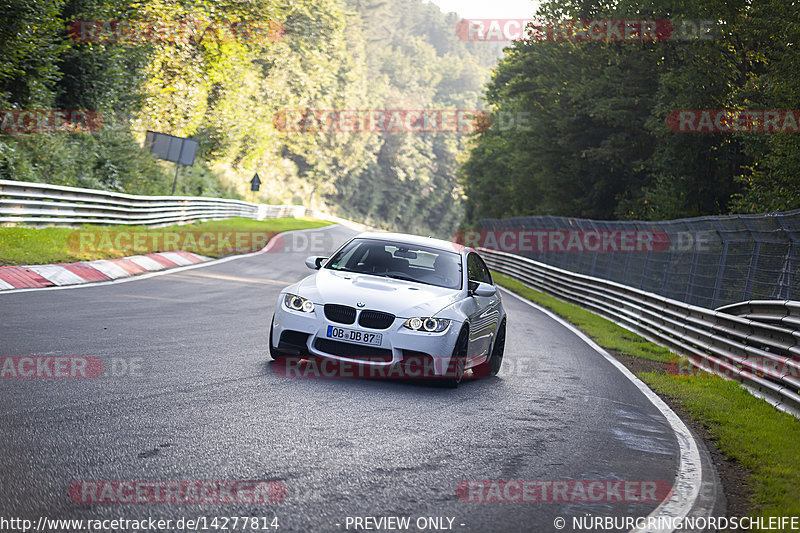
35, 246
745, 429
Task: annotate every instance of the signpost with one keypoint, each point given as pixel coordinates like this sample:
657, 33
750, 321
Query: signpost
179, 150
255, 185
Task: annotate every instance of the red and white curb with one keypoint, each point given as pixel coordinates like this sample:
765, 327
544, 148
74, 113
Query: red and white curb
62, 274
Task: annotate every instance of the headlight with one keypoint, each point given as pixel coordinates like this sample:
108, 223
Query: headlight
298, 303
431, 325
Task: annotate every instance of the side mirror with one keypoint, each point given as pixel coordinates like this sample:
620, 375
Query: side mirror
314, 262
481, 289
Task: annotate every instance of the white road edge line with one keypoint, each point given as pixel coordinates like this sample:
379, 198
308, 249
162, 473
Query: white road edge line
266, 249
690, 471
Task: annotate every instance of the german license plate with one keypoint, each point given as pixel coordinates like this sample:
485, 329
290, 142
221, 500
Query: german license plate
352, 335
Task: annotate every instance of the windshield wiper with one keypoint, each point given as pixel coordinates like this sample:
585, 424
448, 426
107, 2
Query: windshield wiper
343, 269
399, 276
408, 278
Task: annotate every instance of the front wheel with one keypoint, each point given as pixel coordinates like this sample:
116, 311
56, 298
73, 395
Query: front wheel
498, 350
273, 352
455, 368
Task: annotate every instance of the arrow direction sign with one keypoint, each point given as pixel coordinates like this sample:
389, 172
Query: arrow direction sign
255, 183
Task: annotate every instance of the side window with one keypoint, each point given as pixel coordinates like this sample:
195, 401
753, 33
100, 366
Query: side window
487, 277
476, 269
473, 268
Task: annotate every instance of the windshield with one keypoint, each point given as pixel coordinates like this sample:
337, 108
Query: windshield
399, 261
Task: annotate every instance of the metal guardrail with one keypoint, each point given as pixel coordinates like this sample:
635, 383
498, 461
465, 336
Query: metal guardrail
54, 205
757, 350
785, 313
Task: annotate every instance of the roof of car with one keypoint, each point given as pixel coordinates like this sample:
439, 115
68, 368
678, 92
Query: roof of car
413, 240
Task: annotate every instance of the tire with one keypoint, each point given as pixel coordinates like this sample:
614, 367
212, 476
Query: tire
458, 361
273, 352
498, 350
491, 366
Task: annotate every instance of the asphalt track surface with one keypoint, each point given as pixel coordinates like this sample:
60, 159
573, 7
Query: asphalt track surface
203, 402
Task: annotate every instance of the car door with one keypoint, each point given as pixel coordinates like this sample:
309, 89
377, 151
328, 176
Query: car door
485, 312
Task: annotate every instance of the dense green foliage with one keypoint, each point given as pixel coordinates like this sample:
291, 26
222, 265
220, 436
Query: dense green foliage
334, 54
415, 61
597, 143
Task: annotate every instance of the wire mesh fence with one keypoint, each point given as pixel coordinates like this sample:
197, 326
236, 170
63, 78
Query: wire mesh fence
705, 261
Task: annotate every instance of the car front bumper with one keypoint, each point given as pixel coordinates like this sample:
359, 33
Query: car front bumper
399, 346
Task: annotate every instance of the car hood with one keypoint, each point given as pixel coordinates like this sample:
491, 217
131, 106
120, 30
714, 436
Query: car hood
403, 299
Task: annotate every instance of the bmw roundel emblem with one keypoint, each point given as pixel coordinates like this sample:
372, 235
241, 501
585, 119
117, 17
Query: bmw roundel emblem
360, 304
